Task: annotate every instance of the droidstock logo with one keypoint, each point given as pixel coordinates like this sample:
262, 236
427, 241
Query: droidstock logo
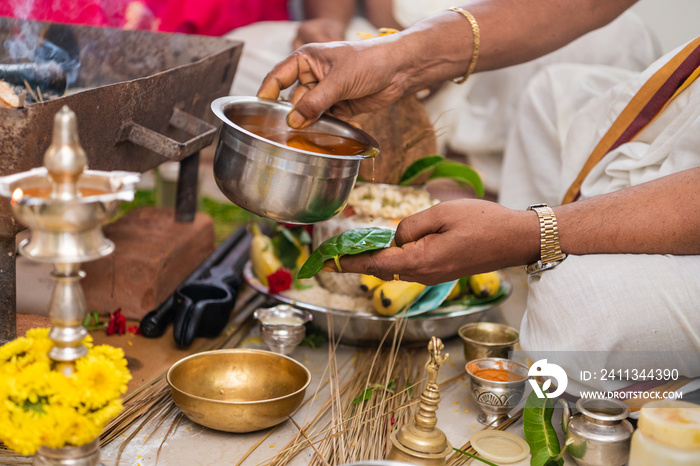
542, 368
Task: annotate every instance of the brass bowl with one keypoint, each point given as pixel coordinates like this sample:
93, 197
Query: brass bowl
238, 390
487, 340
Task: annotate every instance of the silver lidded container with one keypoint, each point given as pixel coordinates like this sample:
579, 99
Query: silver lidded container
600, 434
282, 327
264, 166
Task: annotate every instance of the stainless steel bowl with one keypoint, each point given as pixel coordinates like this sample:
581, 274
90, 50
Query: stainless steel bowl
275, 180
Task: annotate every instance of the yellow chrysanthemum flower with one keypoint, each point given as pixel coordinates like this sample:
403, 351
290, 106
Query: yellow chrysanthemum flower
40, 406
111, 353
102, 416
98, 380
41, 343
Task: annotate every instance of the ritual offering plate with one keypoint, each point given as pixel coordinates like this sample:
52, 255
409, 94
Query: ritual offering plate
352, 320
362, 309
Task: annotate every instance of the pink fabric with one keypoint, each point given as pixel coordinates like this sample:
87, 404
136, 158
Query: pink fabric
90, 12
215, 17
207, 17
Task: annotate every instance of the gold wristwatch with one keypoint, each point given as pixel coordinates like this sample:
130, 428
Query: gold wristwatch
550, 251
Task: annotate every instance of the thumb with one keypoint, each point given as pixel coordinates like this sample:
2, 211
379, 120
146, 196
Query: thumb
382, 263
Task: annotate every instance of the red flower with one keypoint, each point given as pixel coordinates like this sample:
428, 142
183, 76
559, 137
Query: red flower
135, 329
293, 226
280, 280
117, 323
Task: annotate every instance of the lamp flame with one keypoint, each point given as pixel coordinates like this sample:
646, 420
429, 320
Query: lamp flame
17, 195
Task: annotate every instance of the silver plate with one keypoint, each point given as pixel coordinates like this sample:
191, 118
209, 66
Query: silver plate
355, 328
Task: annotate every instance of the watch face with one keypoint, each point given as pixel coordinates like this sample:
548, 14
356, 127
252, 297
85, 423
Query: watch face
538, 266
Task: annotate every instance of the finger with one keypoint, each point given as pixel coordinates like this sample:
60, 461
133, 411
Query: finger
296, 93
418, 226
311, 104
384, 263
283, 75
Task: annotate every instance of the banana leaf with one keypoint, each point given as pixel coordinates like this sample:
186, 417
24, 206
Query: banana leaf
462, 174
429, 299
539, 431
420, 166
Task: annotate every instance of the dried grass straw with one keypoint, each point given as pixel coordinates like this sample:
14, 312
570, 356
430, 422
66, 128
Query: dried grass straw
365, 405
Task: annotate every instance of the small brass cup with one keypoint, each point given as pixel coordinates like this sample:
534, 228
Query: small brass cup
487, 340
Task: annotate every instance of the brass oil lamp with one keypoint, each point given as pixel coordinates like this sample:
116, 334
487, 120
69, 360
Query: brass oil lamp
421, 442
65, 205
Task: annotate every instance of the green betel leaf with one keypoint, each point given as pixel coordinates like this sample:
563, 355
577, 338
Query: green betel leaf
350, 242
420, 166
461, 174
539, 431
287, 249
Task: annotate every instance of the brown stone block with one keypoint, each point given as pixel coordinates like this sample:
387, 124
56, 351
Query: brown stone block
28, 321
153, 255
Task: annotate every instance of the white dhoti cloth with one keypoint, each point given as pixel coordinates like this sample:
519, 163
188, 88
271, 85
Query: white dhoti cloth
612, 304
475, 118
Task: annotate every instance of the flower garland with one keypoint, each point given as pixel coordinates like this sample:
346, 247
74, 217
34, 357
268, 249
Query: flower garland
40, 406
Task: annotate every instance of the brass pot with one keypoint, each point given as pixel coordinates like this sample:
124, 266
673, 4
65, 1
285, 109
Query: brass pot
238, 390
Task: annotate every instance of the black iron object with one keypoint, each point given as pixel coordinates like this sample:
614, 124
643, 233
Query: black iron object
203, 307
47, 76
155, 323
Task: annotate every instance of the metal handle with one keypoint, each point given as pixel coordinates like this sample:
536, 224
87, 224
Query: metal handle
160, 144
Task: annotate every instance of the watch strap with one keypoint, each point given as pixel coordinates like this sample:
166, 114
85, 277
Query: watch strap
550, 250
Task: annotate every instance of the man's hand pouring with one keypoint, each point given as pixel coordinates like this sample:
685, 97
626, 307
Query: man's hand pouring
346, 77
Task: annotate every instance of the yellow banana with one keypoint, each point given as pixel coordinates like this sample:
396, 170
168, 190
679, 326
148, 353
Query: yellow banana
304, 253
454, 294
262, 256
369, 282
486, 284
391, 297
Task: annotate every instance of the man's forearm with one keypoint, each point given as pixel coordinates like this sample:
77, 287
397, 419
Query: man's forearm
658, 217
442, 45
